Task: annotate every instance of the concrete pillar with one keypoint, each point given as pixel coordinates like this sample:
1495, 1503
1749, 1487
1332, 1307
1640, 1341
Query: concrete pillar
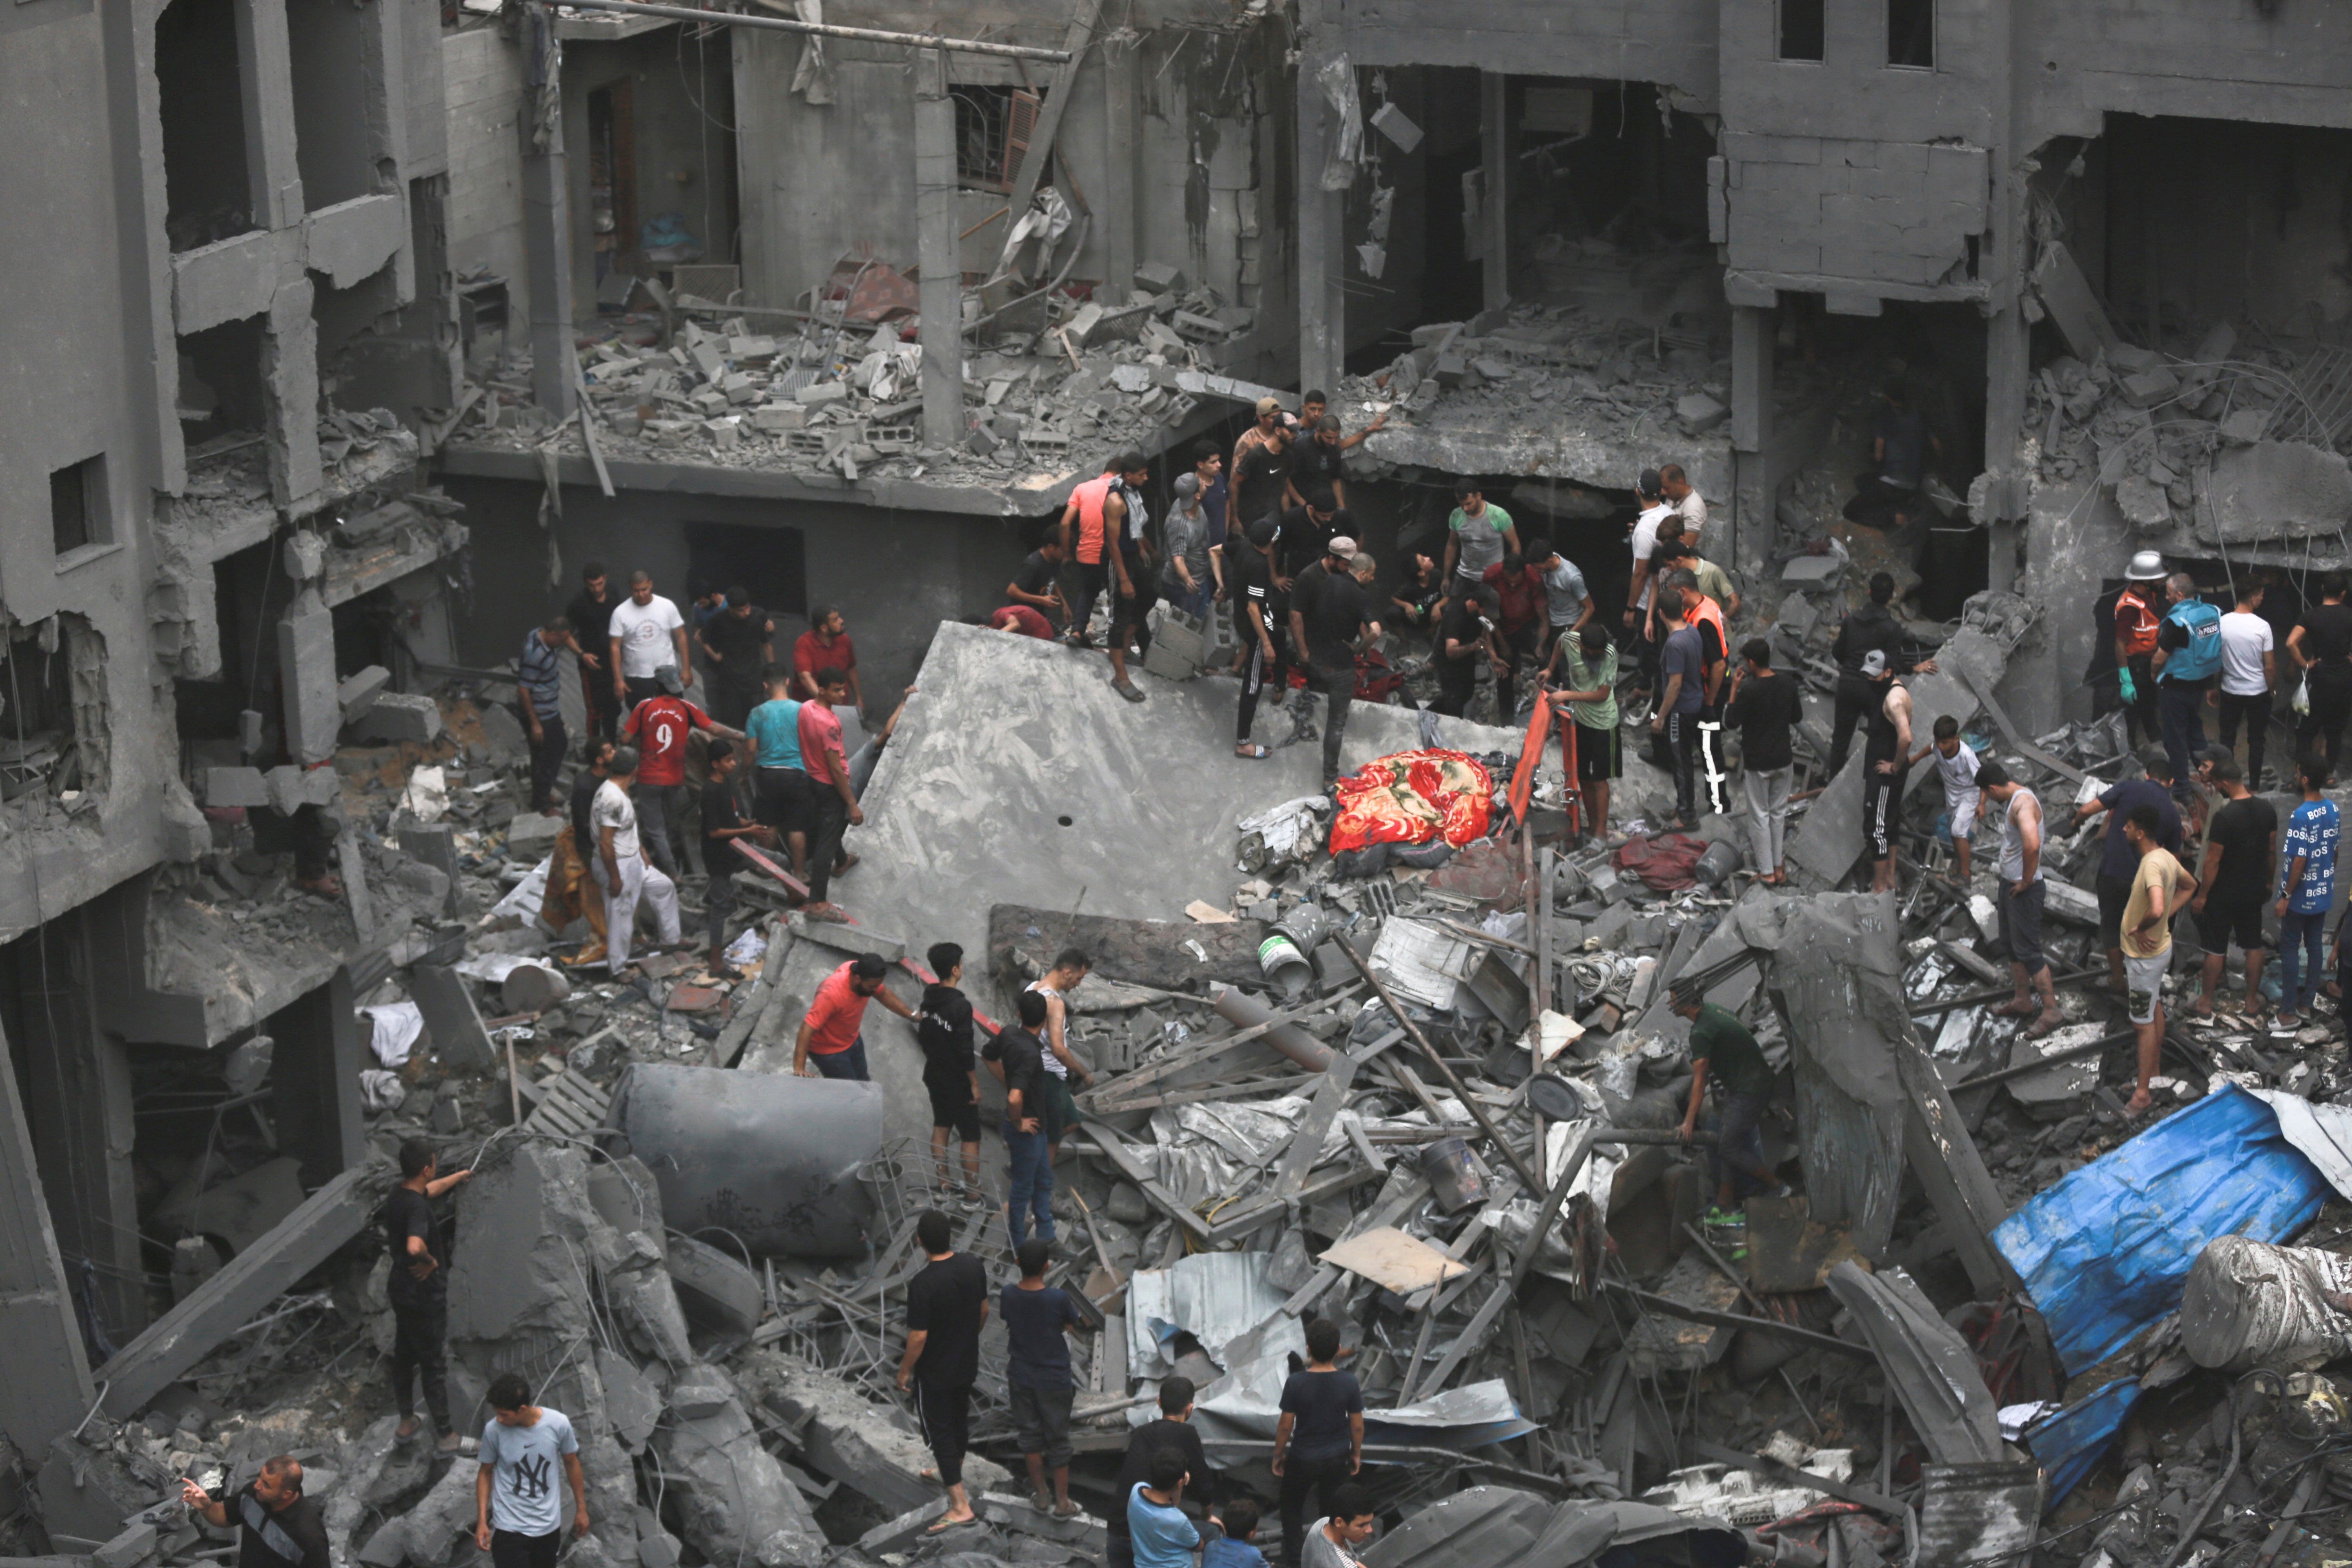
80, 1079
2008, 334
290, 379
1752, 526
1322, 261
1494, 147
48, 1388
1116, 202
306, 673
936, 245
547, 256
265, 76
314, 1081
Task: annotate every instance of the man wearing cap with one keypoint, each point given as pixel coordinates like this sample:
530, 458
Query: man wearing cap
1723, 1049
1260, 469
1249, 575
1268, 418
1328, 612
1887, 760
832, 1039
2188, 657
1873, 627
1184, 548
658, 727
2118, 860
2139, 613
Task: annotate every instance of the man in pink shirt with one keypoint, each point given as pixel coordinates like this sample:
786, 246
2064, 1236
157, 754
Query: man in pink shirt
833, 1034
836, 800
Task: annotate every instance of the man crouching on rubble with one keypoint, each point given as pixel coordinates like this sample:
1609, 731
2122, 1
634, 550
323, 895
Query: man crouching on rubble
277, 1525
1720, 1041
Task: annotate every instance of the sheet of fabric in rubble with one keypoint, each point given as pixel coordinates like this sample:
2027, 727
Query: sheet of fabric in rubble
1283, 826
1837, 963
1218, 1298
1928, 1365
1411, 798
2103, 1251
2070, 1443
1245, 1404
1666, 864
1223, 1149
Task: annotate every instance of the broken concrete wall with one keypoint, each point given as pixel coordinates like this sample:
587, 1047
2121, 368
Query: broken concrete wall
482, 75
1673, 44
895, 576
2178, 58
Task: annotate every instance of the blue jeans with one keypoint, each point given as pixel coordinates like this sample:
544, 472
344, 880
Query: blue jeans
2180, 714
1194, 604
2300, 938
849, 1065
1033, 1183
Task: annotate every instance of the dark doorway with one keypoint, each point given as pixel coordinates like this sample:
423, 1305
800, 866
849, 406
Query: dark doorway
773, 562
612, 172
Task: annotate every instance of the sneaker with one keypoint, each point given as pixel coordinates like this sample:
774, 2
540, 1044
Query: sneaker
1725, 1219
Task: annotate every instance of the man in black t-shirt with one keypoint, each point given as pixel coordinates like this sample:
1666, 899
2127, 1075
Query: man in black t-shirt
944, 1029
1039, 582
740, 642
1764, 707
1315, 465
418, 1286
1319, 1440
277, 1526
2321, 647
1465, 633
2234, 883
1173, 1432
590, 614
1306, 534
722, 825
1329, 610
947, 1303
1260, 478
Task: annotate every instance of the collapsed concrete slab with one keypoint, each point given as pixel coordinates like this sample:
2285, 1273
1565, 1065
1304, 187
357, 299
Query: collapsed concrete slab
859, 1444
2275, 489
738, 1501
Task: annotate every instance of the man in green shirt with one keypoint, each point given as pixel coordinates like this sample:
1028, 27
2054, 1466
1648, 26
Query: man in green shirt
1721, 1047
1584, 673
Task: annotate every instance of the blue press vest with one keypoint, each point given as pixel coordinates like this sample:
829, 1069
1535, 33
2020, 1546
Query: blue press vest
2201, 657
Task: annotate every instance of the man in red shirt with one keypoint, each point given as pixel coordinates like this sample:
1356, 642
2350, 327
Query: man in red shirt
836, 797
825, 646
833, 1034
1022, 620
659, 728
1525, 610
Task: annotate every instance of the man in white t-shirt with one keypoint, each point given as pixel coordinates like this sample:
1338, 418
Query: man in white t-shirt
1956, 768
2248, 671
1638, 592
620, 866
1688, 504
647, 633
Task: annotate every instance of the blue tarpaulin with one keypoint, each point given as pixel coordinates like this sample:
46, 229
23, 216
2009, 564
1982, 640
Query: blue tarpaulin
2103, 1251
2069, 1443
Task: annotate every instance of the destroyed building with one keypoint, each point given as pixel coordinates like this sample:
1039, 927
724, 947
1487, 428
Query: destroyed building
351, 330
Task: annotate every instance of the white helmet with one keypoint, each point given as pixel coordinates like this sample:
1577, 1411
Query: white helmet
2148, 566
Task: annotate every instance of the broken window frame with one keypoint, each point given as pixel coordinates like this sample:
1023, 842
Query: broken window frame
1003, 119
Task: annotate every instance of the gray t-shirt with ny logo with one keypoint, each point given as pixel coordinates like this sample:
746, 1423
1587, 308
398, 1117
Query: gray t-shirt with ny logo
527, 1485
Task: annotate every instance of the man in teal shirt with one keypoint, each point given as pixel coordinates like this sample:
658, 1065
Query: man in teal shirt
781, 796
1722, 1048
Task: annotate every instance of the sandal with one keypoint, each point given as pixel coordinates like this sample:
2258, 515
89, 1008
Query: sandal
1253, 753
2017, 1009
1126, 689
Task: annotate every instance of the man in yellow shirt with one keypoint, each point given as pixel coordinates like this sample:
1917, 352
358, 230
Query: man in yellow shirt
2159, 888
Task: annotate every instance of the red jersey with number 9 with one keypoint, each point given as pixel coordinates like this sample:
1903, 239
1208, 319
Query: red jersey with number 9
660, 725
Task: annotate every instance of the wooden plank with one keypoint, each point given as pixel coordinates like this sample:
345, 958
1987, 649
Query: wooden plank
250, 1281
1306, 1144
1472, 1336
1166, 1067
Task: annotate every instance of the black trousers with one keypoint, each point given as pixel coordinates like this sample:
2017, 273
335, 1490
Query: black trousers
1524, 646
418, 1334
546, 756
733, 698
2331, 705
2254, 712
830, 821
1682, 738
511, 1548
2139, 714
1855, 693
1458, 682
1255, 678
946, 1418
1298, 1476
1338, 685
604, 706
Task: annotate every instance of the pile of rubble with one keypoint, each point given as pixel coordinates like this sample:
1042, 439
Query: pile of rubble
1415, 1071
1052, 381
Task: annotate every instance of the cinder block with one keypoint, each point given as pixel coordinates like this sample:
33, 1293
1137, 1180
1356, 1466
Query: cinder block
778, 418
399, 715
292, 788
2150, 387
451, 1019
848, 939
435, 844
235, 786
361, 690
1699, 412
1159, 278
531, 836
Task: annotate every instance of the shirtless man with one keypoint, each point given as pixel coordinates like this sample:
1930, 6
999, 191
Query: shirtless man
1887, 760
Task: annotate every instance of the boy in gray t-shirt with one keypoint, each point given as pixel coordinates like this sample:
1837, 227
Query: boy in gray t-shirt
517, 1509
